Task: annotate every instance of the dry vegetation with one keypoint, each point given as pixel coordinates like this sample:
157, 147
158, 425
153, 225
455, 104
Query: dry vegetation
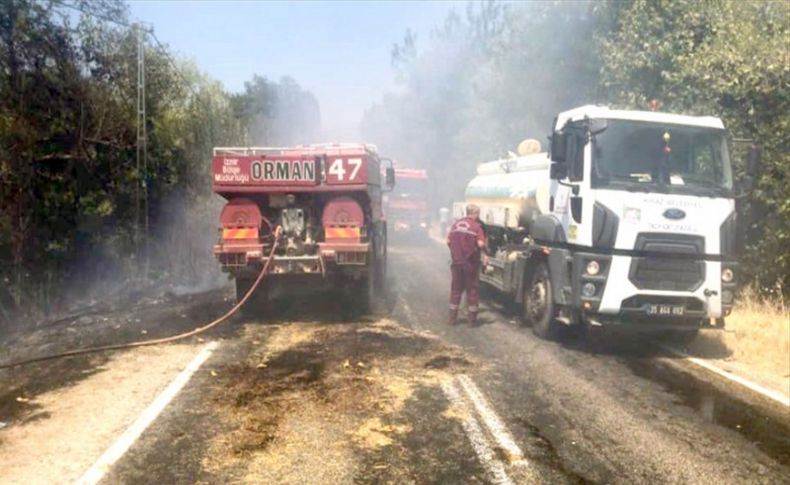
313, 401
758, 334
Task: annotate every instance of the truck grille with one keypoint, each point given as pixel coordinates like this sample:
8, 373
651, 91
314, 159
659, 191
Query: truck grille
679, 270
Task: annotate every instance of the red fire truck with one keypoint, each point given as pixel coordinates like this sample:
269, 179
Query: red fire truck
327, 201
407, 207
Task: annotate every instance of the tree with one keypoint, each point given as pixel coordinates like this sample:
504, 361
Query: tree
727, 59
68, 176
277, 114
484, 82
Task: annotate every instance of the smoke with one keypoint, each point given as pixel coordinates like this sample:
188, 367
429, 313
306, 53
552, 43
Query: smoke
471, 91
183, 227
278, 114
181, 253
483, 82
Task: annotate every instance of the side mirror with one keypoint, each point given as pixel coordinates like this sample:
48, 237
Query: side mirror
576, 208
753, 161
598, 125
389, 174
558, 170
559, 142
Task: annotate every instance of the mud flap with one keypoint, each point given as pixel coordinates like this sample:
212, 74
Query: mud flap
521, 277
560, 270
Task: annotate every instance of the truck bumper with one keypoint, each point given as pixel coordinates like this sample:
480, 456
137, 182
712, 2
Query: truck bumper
342, 258
409, 226
617, 296
236, 256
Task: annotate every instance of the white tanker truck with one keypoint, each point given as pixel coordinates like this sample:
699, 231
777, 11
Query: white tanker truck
628, 221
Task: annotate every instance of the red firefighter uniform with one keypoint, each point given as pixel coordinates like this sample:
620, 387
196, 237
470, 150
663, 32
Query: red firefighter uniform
465, 239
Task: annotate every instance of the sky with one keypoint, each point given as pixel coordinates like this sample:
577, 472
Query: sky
340, 51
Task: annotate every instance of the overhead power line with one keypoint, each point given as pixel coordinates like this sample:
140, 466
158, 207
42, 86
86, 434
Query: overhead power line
91, 14
184, 79
147, 30
142, 32
175, 67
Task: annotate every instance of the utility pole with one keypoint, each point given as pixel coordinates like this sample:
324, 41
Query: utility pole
141, 191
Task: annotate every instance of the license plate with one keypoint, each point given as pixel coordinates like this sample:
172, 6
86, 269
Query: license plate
665, 310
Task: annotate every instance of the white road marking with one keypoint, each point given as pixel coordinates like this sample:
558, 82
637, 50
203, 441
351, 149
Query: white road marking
769, 393
777, 396
477, 438
407, 310
492, 421
127, 439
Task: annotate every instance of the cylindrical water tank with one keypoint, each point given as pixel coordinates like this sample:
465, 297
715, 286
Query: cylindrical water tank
511, 192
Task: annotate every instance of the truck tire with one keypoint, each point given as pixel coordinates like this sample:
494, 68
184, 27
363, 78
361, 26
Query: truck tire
361, 296
540, 311
380, 265
367, 293
371, 290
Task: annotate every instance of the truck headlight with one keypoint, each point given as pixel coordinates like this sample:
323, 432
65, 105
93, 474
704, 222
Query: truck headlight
593, 268
727, 275
588, 290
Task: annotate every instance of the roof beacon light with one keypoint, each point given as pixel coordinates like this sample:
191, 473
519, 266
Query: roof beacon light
667, 148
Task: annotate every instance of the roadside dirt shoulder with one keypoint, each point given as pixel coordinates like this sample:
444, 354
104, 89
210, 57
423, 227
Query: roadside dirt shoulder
742, 350
67, 429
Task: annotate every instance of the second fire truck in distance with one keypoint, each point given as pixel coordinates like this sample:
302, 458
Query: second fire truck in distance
407, 206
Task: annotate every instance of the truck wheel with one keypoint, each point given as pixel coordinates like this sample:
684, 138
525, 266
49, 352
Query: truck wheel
371, 292
539, 308
364, 294
380, 265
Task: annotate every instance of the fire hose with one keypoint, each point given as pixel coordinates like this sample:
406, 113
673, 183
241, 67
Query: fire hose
146, 343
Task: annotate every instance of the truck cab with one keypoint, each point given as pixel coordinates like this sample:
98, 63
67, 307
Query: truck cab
642, 217
628, 221
407, 205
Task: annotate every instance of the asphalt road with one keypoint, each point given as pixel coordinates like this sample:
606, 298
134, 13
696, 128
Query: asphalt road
313, 394
608, 409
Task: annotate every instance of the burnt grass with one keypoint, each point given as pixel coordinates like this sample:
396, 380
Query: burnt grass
333, 369
18, 389
124, 321
435, 450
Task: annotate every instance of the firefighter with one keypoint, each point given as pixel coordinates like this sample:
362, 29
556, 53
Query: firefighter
466, 241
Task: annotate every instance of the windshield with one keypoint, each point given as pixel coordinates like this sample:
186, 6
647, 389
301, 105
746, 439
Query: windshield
652, 156
411, 187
